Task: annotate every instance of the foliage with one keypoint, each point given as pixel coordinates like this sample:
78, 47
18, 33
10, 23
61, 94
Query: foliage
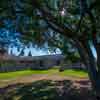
21, 16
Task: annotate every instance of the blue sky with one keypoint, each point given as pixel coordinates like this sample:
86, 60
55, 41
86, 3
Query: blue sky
39, 52
9, 37
34, 51
94, 52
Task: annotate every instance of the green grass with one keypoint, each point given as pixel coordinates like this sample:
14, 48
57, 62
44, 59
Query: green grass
74, 73
69, 72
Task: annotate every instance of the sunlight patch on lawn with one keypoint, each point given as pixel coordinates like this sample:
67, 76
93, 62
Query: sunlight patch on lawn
74, 73
69, 72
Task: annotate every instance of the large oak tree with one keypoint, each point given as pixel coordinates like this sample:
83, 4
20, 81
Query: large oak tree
58, 23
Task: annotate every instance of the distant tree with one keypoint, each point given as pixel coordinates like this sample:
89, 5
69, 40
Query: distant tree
21, 53
30, 54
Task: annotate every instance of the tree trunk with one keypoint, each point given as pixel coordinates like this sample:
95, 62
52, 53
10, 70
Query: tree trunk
91, 64
98, 56
98, 65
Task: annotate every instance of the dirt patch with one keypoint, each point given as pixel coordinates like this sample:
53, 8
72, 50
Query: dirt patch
27, 79
47, 88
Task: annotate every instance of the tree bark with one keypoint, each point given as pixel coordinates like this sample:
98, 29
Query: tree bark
91, 64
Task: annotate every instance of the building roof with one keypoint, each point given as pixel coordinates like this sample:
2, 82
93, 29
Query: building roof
29, 58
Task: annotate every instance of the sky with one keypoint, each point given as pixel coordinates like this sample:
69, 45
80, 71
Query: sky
7, 36
94, 52
34, 51
39, 52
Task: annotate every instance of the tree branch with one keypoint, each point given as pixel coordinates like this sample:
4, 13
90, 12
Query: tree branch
53, 21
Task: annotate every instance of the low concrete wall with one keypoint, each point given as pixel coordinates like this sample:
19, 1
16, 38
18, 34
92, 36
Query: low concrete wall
44, 62
79, 66
12, 68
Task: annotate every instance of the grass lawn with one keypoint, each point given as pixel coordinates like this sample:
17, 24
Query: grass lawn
16, 86
69, 72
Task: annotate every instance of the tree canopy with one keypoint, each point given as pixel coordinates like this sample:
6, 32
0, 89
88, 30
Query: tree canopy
45, 19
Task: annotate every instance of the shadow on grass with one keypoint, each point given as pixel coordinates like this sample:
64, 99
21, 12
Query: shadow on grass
45, 90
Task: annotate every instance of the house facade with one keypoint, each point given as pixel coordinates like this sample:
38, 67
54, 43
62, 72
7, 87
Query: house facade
14, 63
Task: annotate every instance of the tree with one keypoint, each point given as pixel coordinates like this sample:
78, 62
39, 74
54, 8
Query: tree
59, 23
